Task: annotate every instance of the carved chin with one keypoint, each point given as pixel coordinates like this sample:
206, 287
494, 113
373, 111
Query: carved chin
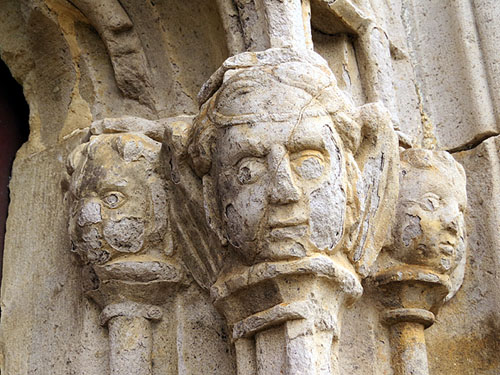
125, 235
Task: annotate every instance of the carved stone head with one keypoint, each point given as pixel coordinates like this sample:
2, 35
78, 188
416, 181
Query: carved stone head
279, 169
276, 146
118, 202
429, 225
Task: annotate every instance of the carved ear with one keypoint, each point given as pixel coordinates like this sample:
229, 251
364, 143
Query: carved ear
376, 188
457, 276
198, 245
74, 159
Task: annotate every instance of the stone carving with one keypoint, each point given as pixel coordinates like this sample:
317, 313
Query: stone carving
124, 47
256, 25
279, 191
294, 186
119, 226
372, 44
425, 264
430, 227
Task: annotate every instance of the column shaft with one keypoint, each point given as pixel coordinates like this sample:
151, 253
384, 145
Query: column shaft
131, 345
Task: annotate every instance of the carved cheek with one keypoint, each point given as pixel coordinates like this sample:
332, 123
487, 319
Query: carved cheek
87, 241
327, 203
125, 235
459, 250
327, 209
411, 229
86, 238
243, 211
434, 232
84, 226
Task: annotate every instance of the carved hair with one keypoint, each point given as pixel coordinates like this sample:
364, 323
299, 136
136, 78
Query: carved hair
316, 85
139, 146
430, 159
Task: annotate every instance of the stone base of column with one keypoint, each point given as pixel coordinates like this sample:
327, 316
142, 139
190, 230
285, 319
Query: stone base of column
284, 316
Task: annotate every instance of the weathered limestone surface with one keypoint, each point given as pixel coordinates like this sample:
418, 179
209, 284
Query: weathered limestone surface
226, 174
459, 84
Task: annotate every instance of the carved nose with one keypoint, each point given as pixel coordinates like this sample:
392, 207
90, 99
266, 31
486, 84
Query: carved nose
283, 189
450, 223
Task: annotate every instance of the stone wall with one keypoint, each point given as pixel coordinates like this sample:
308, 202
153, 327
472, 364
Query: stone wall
176, 87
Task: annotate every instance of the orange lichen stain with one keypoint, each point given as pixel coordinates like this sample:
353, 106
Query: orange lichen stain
409, 333
465, 355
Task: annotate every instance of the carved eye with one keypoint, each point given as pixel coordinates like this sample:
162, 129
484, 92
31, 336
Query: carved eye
113, 199
250, 170
308, 164
430, 202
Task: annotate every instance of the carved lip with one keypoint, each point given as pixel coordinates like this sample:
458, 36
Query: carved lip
277, 222
289, 232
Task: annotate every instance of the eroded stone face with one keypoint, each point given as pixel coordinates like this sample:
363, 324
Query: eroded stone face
429, 226
280, 186
118, 203
276, 148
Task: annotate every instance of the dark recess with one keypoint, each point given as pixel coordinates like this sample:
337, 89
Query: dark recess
14, 131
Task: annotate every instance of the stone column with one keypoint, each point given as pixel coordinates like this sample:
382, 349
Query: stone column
424, 265
287, 318
130, 336
411, 294
408, 340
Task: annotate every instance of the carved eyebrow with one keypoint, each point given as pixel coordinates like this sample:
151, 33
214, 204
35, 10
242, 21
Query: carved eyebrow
430, 194
245, 147
311, 141
111, 184
306, 144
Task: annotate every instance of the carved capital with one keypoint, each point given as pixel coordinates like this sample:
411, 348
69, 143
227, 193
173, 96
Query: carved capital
294, 186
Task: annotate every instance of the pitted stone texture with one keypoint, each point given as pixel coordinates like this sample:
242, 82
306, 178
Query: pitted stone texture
459, 99
442, 78
118, 199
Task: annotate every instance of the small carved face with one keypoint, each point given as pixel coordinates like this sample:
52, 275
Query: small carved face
280, 187
117, 199
430, 227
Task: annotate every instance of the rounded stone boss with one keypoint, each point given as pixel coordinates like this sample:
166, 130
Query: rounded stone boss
118, 199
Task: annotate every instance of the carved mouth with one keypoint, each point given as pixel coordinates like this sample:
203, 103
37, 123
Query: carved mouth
284, 221
288, 232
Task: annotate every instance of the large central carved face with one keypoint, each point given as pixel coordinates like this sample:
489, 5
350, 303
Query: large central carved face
280, 186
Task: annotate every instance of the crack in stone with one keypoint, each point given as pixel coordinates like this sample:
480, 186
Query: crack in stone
474, 143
